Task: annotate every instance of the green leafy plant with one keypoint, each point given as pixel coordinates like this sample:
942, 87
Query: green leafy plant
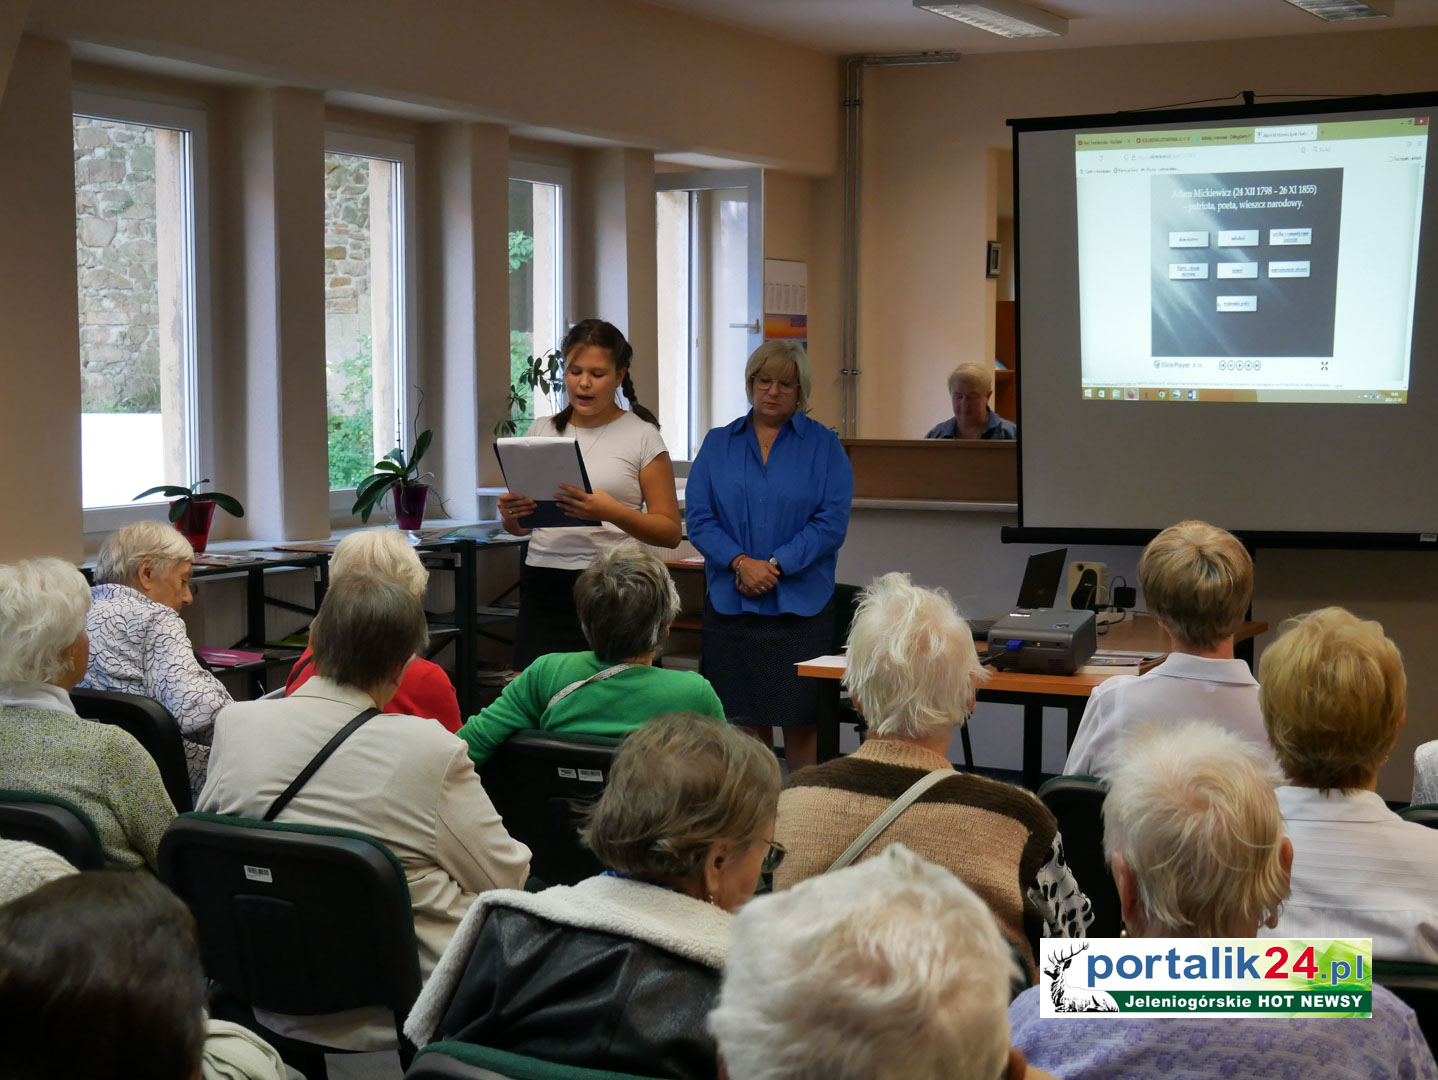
539, 373
351, 418
521, 249
394, 470
184, 496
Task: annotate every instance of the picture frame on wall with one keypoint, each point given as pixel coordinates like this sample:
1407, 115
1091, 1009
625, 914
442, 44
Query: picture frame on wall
991, 260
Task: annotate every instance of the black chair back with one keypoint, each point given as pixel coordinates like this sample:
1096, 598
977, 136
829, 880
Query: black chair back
1077, 803
846, 604
537, 781
52, 823
152, 727
1417, 986
296, 918
466, 1061
1421, 813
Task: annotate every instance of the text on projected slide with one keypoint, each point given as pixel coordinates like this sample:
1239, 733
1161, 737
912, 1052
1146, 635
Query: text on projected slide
1268, 263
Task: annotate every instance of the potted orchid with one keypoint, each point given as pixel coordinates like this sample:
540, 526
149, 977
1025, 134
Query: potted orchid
193, 510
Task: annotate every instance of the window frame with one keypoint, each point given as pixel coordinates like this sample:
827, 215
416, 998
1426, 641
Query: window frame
533, 171
102, 103
751, 179
340, 139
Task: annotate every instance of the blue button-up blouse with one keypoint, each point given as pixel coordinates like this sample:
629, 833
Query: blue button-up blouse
795, 508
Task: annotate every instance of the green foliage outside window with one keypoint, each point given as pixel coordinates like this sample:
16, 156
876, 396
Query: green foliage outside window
351, 418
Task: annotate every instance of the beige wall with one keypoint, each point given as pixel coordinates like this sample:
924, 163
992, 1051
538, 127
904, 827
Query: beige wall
634, 73
40, 407
925, 304
12, 25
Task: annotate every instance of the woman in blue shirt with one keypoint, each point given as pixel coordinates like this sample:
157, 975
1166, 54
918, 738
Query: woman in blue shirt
767, 504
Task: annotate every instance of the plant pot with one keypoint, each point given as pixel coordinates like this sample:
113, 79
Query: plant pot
409, 500
194, 523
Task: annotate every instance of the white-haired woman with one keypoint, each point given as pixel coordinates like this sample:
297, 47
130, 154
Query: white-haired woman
387, 554
138, 642
46, 748
626, 602
619, 971
822, 980
913, 673
1194, 835
767, 503
971, 388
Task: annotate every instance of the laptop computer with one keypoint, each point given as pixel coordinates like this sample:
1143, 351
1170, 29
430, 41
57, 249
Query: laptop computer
1040, 588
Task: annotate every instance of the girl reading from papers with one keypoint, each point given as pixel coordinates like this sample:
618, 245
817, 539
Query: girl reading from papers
628, 466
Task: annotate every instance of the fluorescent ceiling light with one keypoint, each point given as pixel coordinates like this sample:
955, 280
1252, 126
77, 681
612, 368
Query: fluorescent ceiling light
1007, 18
1339, 10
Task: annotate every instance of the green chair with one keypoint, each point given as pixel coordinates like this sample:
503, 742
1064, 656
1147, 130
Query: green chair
1077, 803
53, 823
539, 781
295, 919
152, 726
1421, 814
465, 1061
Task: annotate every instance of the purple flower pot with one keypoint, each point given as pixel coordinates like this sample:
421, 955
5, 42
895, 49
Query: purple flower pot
194, 523
409, 500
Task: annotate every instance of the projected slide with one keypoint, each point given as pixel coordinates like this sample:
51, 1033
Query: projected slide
1250, 263
1245, 264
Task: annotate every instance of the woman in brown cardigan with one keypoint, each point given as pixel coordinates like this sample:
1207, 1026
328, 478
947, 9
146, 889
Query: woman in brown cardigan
913, 672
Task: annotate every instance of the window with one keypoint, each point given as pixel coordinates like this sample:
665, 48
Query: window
537, 266
709, 230
367, 318
136, 203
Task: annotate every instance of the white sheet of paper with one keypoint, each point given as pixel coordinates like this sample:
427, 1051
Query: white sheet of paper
536, 466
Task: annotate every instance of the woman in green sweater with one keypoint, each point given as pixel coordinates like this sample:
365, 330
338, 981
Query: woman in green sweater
626, 602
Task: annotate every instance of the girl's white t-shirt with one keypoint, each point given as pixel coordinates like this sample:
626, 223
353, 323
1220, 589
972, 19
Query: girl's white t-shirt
613, 456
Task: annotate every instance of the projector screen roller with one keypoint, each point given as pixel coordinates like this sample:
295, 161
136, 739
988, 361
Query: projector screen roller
1254, 289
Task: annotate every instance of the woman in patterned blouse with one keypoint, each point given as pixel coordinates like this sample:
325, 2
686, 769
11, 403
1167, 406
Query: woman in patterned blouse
138, 642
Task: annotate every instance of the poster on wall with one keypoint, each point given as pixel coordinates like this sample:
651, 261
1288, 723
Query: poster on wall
786, 300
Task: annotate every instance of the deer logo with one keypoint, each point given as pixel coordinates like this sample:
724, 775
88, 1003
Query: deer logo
1066, 1002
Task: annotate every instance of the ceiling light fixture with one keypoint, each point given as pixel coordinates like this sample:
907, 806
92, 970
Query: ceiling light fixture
1007, 18
1340, 10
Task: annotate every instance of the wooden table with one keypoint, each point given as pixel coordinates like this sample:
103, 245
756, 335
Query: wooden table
1033, 692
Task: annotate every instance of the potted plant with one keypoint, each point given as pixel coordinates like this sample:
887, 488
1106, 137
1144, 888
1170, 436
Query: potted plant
401, 475
543, 373
192, 510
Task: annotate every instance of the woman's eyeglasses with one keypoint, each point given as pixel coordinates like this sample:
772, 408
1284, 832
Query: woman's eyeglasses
773, 857
762, 383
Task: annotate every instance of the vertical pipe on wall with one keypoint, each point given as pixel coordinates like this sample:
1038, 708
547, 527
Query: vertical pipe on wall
853, 163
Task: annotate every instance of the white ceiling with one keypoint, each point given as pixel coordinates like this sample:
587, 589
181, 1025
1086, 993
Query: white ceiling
883, 26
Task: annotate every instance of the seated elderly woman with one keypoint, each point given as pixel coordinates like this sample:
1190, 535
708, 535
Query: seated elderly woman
619, 971
101, 972
1194, 835
402, 779
913, 672
1334, 697
386, 553
138, 642
626, 601
44, 746
822, 980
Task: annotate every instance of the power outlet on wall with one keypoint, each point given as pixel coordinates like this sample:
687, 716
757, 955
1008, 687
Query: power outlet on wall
1087, 585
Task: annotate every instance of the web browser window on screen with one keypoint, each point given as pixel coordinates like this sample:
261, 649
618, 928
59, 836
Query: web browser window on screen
1273, 262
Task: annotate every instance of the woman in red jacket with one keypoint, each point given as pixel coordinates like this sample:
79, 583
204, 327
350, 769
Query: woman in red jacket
386, 553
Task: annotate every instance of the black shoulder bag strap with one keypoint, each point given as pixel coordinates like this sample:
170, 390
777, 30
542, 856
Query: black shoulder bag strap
315, 762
